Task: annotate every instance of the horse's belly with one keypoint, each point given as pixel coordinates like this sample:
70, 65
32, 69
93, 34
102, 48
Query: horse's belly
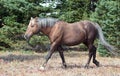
72, 41
73, 36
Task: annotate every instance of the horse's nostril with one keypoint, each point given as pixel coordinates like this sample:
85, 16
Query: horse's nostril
27, 37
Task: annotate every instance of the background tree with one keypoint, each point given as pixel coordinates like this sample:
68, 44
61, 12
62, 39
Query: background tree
15, 15
72, 11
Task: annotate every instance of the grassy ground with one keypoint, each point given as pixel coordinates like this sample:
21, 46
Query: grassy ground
21, 63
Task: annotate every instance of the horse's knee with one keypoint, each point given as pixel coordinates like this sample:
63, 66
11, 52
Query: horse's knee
93, 48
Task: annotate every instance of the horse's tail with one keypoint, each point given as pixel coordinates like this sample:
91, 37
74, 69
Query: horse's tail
109, 47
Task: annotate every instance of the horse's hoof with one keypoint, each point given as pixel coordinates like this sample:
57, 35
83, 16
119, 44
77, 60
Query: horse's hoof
96, 63
64, 66
42, 68
86, 66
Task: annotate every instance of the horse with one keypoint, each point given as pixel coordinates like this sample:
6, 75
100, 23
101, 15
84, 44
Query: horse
62, 33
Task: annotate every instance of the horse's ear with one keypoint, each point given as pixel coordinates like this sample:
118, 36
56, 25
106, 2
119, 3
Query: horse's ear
31, 18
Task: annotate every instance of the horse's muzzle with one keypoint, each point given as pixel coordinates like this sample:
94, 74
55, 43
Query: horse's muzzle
27, 37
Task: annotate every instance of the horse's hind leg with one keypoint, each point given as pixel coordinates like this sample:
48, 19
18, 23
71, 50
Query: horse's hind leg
94, 56
92, 52
60, 49
90, 47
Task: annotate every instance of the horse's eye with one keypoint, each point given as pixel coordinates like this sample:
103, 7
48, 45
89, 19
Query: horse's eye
32, 25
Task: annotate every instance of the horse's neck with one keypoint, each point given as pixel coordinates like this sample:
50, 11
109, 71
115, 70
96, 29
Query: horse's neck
46, 30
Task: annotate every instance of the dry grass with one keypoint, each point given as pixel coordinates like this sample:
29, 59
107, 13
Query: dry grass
21, 64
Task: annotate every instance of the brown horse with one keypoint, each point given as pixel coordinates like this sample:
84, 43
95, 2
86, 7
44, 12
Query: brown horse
63, 33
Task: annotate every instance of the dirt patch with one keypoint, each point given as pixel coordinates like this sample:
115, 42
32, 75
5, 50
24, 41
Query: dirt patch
19, 64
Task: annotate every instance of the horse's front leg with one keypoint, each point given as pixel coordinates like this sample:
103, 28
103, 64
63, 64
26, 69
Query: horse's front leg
60, 49
48, 56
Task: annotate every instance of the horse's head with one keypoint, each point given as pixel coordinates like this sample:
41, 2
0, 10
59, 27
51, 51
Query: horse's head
33, 28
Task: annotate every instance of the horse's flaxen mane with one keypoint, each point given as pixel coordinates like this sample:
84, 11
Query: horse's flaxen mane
47, 22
